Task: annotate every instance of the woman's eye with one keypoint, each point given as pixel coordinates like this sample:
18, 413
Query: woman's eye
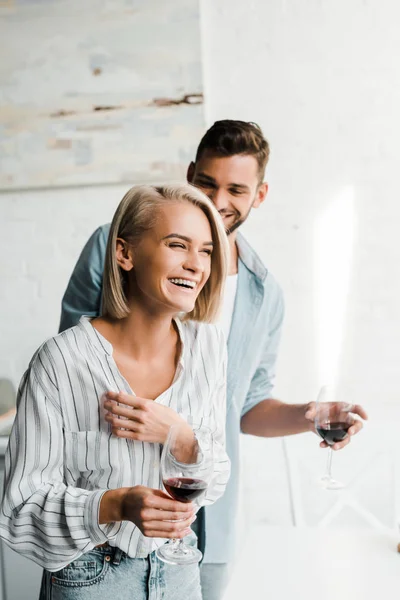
207, 251
176, 245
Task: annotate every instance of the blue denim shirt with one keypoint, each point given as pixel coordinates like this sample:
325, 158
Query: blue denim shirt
252, 352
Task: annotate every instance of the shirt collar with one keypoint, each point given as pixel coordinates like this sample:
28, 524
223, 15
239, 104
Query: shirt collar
105, 347
250, 258
95, 338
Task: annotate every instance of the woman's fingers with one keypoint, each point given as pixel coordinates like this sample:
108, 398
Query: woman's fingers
171, 517
127, 399
165, 534
156, 514
160, 501
172, 527
117, 409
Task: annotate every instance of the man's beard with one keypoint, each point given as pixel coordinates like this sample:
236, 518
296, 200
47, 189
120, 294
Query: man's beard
239, 220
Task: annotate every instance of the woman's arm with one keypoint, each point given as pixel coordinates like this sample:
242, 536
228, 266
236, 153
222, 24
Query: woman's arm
48, 521
155, 513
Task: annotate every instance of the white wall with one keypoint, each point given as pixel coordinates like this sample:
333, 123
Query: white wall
323, 80
42, 234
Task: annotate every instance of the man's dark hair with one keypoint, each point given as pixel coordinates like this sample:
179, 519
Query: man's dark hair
229, 137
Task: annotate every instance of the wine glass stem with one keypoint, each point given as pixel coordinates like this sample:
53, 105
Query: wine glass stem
329, 464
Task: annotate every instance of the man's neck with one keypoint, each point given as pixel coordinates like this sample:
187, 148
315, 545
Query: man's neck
234, 255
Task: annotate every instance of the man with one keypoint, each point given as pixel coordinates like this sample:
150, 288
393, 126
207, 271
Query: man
229, 167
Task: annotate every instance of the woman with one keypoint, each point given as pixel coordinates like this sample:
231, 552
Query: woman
83, 491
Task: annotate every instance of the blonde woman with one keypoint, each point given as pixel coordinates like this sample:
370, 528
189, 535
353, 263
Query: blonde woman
83, 492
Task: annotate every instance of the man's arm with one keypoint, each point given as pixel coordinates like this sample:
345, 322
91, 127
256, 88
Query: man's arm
273, 418
83, 294
264, 416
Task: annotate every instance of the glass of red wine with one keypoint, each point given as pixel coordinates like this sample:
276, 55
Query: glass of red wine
332, 421
186, 473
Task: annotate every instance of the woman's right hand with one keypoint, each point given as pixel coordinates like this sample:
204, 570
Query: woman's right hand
155, 513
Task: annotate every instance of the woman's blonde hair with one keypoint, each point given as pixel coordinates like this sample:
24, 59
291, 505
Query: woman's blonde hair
137, 213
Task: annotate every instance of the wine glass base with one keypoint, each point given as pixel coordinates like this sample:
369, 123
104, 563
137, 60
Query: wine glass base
178, 554
331, 484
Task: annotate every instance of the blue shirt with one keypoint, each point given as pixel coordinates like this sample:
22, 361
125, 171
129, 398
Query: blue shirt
252, 352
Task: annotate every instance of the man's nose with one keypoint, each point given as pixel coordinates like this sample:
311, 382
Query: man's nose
220, 199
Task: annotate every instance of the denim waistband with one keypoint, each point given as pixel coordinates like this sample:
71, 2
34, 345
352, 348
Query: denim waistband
115, 554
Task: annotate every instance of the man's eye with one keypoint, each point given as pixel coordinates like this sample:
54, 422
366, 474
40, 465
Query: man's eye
205, 184
236, 192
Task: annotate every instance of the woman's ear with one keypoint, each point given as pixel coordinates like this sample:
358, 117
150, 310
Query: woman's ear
124, 255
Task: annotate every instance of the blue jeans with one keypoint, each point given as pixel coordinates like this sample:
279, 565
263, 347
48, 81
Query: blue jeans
214, 579
107, 572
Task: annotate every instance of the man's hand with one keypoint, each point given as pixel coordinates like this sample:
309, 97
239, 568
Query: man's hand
155, 513
142, 420
357, 425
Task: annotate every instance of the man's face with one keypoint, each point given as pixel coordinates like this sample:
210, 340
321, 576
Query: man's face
231, 183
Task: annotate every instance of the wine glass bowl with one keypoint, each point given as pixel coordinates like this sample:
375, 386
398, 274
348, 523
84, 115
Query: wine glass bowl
333, 418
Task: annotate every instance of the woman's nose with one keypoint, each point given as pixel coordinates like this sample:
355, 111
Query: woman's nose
193, 262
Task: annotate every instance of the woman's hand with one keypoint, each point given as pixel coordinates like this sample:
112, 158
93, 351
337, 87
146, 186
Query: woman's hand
143, 420
155, 513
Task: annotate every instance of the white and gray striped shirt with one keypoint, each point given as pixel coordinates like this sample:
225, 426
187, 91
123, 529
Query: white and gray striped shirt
62, 457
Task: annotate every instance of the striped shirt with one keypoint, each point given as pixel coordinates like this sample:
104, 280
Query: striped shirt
62, 457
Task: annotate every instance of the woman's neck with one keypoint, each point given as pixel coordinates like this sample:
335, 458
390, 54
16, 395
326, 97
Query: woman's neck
140, 335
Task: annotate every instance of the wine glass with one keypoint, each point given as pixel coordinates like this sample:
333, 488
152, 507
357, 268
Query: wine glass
333, 418
186, 474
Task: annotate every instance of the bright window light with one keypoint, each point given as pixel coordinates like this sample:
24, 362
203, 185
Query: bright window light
333, 249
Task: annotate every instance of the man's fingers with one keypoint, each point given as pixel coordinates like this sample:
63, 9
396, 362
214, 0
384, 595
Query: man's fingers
342, 444
358, 410
355, 427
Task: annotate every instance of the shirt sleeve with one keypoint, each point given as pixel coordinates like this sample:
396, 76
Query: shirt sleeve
222, 464
41, 517
262, 382
83, 293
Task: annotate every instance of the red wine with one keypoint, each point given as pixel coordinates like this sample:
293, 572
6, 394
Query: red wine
333, 432
184, 489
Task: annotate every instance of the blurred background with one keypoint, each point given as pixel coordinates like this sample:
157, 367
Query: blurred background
99, 95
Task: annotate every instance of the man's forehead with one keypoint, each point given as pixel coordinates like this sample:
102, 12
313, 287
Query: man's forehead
239, 169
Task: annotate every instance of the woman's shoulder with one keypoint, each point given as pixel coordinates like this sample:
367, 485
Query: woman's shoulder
56, 348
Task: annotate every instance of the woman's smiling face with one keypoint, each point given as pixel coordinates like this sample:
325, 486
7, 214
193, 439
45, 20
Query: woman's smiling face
172, 261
